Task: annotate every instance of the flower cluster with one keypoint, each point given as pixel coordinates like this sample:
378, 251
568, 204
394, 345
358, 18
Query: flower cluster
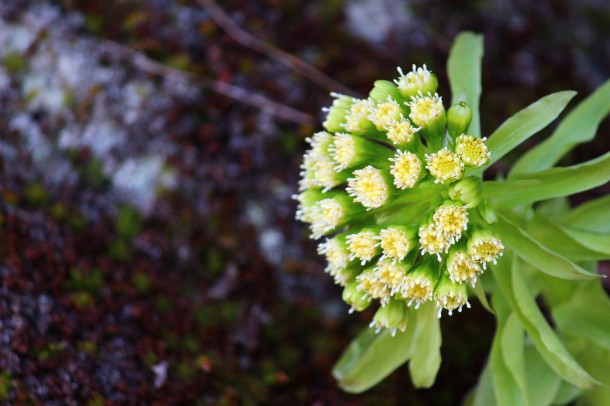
386, 184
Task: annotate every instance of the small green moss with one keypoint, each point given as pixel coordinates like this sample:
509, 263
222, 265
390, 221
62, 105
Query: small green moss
82, 299
128, 222
96, 400
51, 350
35, 194
141, 281
119, 250
14, 63
5, 384
162, 304
186, 371
87, 346
90, 281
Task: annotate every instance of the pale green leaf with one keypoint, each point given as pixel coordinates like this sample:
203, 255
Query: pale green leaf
464, 72
530, 250
426, 355
544, 382
593, 215
576, 128
576, 245
506, 358
526, 123
370, 357
483, 394
515, 290
586, 314
480, 294
557, 182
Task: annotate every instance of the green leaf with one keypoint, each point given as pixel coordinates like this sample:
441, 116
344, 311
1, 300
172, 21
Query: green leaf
586, 314
576, 245
545, 383
426, 355
593, 215
526, 123
576, 128
506, 359
480, 294
484, 393
515, 290
530, 250
557, 182
596, 359
499, 189
464, 71
370, 357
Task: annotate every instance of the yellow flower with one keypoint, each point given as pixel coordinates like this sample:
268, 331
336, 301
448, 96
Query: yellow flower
472, 151
363, 246
406, 169
445, 166
385, 114
426, 109
396, 242
402, 133
368, 187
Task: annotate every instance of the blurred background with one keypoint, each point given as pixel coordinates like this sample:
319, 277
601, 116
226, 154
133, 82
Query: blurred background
148, 153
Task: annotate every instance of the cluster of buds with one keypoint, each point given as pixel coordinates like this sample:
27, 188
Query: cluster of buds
385, 184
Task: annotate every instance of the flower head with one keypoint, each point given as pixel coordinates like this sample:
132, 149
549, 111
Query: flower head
419, 80
433, 241
397, 241
451, 220
385, 114
472, 151
369, 187
402, 133
419, 283
462, 267
337, 113
484, 246
450, 295
363, 246
406, 169
393, 316
425, 110
357, 121
445, 166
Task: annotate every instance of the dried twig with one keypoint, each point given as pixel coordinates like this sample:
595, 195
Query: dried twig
238, 34
149, 65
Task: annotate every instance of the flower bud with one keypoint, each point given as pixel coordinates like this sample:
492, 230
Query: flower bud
487, 212
394, 316
459, 117
450, 295
418, 81
484, 246
429, 113
336, 114
468, 191
355, 297
383, 89
349, 151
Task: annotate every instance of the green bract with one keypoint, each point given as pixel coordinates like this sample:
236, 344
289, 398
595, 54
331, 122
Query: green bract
395, 188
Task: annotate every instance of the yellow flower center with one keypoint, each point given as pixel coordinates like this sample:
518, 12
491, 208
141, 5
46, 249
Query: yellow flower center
368, 187
462, 268
417, 289
394, 243
472, 151
362, 245
413, 80
325, 216
392, 275
406, 169
402, 132
336, 254
451, 220
445, 166
371, 284
358, 114
344, 150
451, 301
425, 109
433, 241
386, 114
487, 249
